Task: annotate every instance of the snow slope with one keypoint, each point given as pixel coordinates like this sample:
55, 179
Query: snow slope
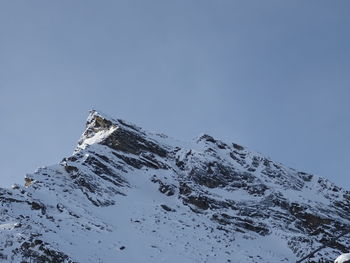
127, 195
344, 258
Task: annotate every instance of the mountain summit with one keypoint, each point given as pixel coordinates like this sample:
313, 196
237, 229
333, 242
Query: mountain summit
128, 195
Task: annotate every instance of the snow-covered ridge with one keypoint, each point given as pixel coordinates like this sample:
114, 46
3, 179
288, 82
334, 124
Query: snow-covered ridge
128, 195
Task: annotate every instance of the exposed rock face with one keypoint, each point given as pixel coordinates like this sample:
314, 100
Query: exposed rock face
127, 195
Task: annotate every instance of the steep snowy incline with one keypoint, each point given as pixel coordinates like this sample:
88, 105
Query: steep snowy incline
128, 195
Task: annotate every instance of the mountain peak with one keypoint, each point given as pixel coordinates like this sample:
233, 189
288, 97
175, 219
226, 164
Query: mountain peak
100, 117
100, 126
128, 195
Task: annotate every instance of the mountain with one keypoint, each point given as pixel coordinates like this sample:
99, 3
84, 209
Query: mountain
128, 195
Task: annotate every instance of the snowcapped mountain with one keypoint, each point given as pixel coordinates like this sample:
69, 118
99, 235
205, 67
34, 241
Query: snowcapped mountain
128, 195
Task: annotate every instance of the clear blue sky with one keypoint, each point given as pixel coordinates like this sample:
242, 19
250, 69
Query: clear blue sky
271, 75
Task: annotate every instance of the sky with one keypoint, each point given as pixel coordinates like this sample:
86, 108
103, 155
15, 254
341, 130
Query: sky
270, 75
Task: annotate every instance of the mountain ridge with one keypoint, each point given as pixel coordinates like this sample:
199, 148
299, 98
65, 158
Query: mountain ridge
128, 195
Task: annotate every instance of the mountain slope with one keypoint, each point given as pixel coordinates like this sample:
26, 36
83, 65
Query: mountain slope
127, 195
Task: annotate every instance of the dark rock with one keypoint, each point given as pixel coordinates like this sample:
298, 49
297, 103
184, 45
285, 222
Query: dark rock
38, 206
167, 208
133, 143
71, 169
185, 189
201, 202
166, 189
238, 147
